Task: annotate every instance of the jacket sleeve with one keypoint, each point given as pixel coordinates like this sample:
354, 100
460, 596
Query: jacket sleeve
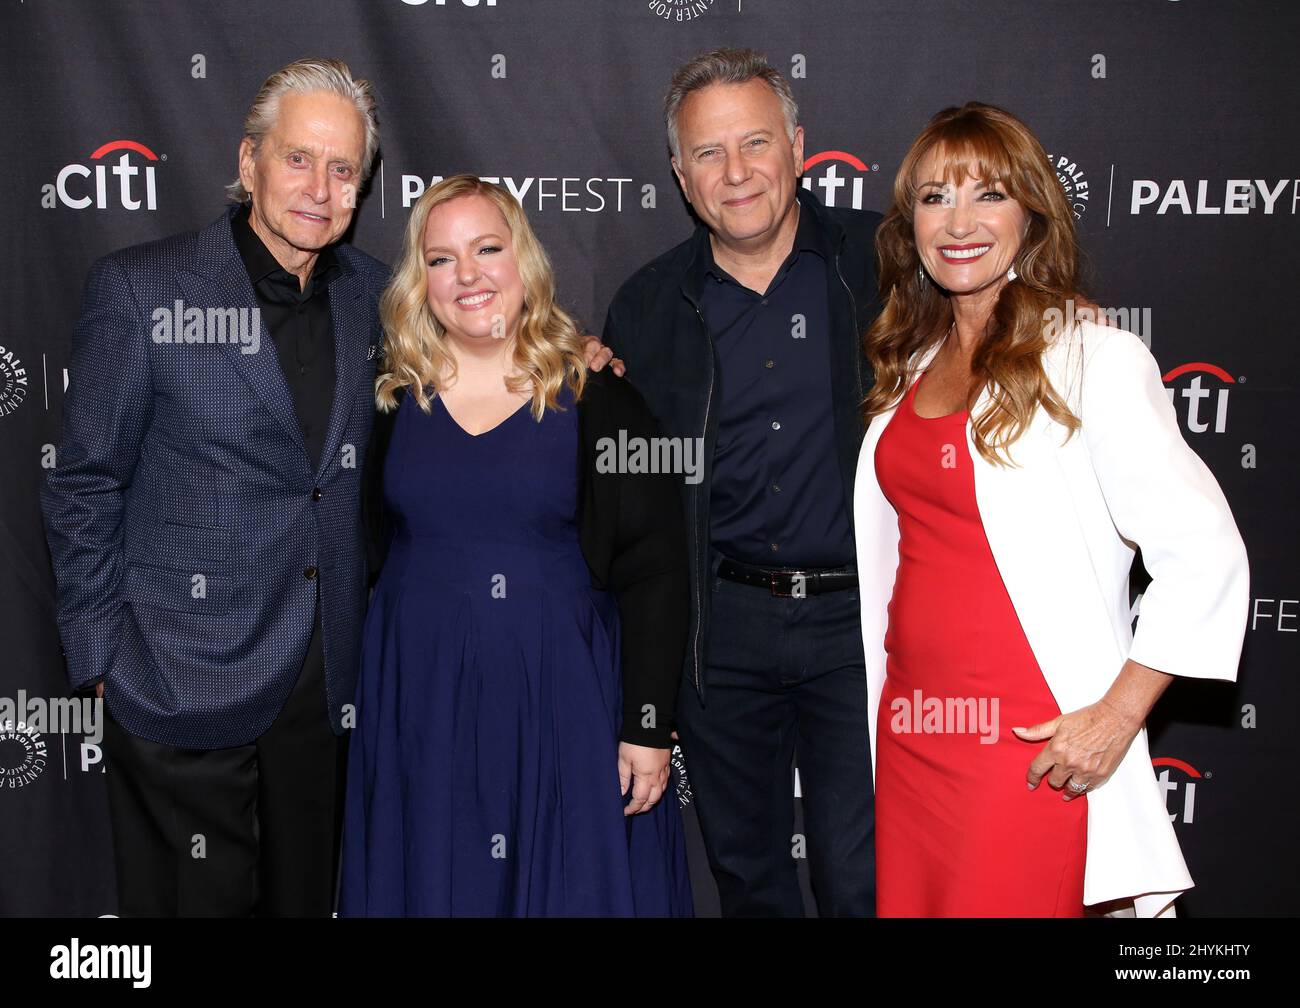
648, 577
619, 333
106, 415
1162, 497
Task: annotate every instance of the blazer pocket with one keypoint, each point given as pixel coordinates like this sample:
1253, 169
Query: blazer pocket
198, 592
194, 547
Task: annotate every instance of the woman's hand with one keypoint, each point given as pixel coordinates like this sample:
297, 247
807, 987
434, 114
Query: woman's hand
598, 355
646, 770
1086, 745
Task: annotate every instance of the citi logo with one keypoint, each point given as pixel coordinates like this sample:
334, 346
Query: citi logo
1240, 196
1196, 391
1170, 787
842, 171
80, 186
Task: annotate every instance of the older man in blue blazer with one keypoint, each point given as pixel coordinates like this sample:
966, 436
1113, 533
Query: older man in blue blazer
203, 516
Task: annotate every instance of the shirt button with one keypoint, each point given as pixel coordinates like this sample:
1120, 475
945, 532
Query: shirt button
769, 364
316, 494
776, 488
776, 425
302, 369
310, 573
763, 302
775, 547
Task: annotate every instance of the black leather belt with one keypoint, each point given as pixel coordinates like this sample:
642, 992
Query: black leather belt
787, 582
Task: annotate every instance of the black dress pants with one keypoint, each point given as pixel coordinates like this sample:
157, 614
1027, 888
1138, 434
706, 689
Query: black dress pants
785, 682
251, 830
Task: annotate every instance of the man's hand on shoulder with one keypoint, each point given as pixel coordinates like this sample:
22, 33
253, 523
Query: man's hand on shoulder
598, 355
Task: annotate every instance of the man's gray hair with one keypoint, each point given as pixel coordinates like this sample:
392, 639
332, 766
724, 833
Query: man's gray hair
307, 76
725, 66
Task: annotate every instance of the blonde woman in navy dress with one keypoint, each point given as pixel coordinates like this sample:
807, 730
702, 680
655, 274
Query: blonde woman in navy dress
525, 639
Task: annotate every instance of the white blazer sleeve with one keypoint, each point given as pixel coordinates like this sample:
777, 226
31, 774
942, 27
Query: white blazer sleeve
1162, 497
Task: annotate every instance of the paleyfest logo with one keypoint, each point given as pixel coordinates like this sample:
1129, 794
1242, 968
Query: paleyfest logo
81, 186
679, 10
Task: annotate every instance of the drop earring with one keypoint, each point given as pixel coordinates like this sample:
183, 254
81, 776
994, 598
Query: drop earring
1011, 274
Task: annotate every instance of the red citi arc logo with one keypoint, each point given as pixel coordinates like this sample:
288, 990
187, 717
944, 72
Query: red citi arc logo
1195, 391
1167, 786
842, 171
68, 190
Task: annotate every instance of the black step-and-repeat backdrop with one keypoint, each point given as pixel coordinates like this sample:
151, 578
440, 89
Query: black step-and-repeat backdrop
1171, 125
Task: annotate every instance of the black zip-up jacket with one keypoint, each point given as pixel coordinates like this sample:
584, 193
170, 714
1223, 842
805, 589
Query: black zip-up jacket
631, 532
656, 326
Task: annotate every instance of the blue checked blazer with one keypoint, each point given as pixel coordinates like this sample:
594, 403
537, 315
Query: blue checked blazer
188, 532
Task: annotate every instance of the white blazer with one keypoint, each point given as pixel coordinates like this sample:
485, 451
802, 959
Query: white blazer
1062, 527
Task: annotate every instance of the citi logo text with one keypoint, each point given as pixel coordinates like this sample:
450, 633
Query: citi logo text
1196, 391
1170, 787
81, 186
842, 171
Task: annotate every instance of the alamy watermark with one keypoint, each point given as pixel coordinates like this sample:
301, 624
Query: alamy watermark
56, 716
179, 323
639, 455
1135, 320
923, 715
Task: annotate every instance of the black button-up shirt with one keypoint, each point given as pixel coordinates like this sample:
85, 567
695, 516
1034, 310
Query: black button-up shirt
301, 325
777, 497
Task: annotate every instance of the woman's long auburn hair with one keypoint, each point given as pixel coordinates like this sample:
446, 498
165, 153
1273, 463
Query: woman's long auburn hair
990, 144
548, 351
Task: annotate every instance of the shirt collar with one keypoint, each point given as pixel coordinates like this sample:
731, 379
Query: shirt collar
262, 265
807, 238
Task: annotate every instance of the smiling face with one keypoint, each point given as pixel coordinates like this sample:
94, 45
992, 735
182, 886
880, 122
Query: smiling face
738, 166
304, 175
474, 287
967, 234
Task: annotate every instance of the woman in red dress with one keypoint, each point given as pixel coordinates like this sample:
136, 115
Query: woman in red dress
1013, 457
972, 840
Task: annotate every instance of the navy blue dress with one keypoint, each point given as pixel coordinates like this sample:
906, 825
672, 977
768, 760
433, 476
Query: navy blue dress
483, 766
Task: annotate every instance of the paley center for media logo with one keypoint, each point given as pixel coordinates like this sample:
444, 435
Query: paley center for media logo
82, 186
13, 381
1072, 181
837, 170
678, 10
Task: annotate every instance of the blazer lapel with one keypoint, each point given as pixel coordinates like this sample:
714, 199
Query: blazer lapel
219, 280
352, 322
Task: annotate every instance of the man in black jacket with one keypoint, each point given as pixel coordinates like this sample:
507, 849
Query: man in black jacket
748, 335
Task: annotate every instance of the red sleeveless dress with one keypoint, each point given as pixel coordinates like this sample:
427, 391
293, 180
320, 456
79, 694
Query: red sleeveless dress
958, 833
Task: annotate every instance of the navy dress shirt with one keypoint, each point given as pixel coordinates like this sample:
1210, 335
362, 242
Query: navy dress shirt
777, 497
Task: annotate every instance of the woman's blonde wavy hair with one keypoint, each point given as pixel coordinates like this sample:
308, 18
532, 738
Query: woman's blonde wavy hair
992, 145
548, 351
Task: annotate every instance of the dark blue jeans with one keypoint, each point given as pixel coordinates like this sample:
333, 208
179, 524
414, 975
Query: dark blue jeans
785, 681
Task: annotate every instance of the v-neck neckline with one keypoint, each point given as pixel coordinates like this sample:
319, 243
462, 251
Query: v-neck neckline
498, 426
